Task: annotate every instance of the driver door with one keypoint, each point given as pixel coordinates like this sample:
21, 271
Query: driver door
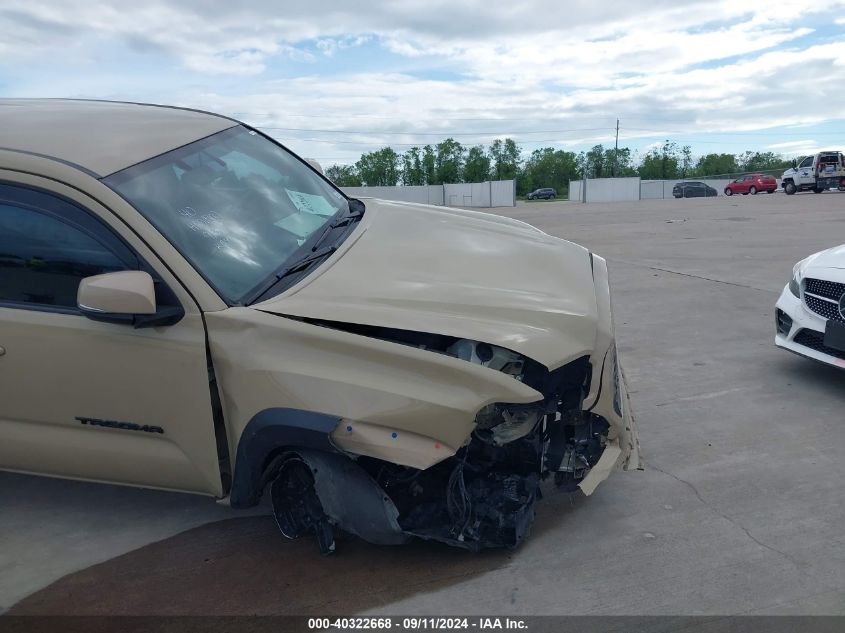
86, 399
805, 171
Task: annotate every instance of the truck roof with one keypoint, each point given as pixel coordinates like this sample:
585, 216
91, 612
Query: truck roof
100, 137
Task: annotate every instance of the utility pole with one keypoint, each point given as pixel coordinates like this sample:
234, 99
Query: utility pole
616, 150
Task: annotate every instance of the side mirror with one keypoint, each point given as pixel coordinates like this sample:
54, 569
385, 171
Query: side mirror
117, 297
794, 164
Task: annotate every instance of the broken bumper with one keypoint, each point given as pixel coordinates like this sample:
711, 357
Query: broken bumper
391, 485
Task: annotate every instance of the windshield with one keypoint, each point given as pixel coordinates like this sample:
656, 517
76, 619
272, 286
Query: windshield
235, 204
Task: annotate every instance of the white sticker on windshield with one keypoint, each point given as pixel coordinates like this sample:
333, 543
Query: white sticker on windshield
310, 203
301, 224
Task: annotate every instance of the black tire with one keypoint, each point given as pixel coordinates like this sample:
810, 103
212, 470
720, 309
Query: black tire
789, 188
753, 190
297, 507
770, 191
817, 190
729, 191
552, 197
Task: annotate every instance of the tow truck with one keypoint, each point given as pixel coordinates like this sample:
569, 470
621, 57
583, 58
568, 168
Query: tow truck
816, 173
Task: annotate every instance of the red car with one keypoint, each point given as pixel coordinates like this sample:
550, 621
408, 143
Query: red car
752, 183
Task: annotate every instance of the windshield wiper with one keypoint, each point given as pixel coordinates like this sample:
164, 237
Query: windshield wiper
347, 219
354, 213
297, 266
305, 262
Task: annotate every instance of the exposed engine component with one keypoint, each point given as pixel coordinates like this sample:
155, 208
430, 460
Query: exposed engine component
482, 496
491, 356
576, 448
499, 424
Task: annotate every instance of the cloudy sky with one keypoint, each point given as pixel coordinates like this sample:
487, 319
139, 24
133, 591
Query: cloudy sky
334, 78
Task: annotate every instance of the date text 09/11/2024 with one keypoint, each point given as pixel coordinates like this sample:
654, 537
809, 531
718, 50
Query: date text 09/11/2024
420, 623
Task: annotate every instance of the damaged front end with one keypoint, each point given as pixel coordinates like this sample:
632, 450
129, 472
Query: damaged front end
392, 485
429, 377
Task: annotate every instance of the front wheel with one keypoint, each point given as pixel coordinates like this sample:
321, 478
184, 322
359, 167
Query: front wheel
753, 191
552, 197
789, 188
729, 191
297, 507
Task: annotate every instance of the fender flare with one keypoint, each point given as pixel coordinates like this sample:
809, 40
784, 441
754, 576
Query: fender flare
268, 432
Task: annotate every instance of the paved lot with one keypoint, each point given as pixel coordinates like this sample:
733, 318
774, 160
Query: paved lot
740, 510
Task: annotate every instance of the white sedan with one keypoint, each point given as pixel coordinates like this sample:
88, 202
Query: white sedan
811, 309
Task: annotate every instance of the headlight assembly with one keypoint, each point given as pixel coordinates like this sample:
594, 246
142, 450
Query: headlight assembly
795, 282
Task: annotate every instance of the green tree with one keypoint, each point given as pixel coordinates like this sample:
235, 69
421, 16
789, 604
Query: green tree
661, 163
379, 168
761, 161
716, 165
619, 161
428, 165
476, 165
505, 157
595, 162
548, 167
686, 161
344, 175
448, 162
412, 169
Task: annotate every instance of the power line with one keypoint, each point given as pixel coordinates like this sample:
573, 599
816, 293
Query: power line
382, 144
344, 115
741, 133
448, 132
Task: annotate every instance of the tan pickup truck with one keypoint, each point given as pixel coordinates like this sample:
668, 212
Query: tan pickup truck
187, 305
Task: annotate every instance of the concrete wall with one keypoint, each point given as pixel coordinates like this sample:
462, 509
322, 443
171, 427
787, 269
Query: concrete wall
503, 193
654, 189
423, 194
499, 193
469, 194
606, 189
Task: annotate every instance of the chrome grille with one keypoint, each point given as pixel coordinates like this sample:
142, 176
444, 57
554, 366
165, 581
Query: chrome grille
823, 308
822, 297
823, 288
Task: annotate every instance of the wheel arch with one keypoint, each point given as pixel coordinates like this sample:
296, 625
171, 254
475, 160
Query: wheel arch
269, 433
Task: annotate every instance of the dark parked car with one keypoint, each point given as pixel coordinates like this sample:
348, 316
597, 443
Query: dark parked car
693, 189
546, 193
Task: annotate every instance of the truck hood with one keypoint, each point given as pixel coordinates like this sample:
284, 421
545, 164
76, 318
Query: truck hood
458, 273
